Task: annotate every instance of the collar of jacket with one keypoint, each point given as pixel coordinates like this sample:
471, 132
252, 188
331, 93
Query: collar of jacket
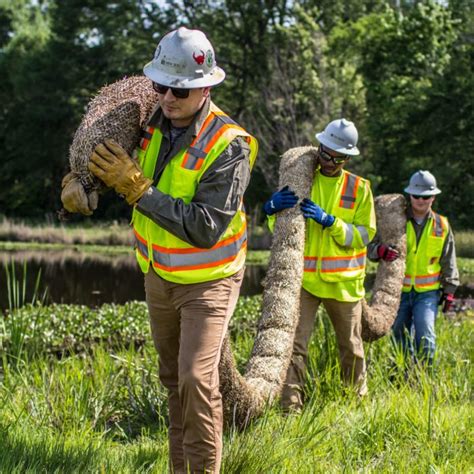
411, 217
158, 120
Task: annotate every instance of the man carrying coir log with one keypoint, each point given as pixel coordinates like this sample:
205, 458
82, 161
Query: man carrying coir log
340, 222
193, 167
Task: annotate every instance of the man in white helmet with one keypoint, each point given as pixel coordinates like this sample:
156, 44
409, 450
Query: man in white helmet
187, 186
340, 223
431, 275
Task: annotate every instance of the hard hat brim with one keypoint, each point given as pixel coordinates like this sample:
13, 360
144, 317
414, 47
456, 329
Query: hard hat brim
354, 151
417, 192
212, 79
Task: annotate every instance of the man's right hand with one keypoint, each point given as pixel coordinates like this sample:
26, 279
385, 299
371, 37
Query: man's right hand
74, 197
283, 199
387, 253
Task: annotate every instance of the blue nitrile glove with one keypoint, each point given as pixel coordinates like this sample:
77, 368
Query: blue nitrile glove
283, 199
313, 211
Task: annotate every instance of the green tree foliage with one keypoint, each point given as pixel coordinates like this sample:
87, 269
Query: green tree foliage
400, 56
59, 55
401, 70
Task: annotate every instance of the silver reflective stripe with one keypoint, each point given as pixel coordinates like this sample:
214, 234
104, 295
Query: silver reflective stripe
343, 263
437, 226
196, 152
146, 134
364, 234
348, 198
174, 261
427, 280
142, 248
349, 235
194, 155
310, 263
407, 280
227, 120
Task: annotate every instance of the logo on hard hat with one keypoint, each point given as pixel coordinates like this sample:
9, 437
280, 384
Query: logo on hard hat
158, 51
209, 58
199, 58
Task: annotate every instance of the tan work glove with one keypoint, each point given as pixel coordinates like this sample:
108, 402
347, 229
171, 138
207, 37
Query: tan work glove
113, 165
74, 197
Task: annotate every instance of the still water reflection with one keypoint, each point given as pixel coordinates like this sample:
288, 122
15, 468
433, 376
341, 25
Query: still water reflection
90, 279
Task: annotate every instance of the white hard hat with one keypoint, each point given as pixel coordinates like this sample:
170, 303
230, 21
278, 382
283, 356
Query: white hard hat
184, 59
422, 183
340, 135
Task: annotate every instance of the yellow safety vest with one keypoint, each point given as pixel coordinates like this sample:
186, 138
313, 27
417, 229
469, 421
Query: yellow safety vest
423, 269
172, 258
339, 261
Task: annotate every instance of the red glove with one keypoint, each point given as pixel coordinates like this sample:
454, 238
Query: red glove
447, 300
387, 253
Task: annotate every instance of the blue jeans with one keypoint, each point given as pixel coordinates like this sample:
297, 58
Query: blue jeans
417, 314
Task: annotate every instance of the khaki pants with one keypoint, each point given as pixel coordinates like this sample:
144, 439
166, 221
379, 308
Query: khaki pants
346, 320
188, 324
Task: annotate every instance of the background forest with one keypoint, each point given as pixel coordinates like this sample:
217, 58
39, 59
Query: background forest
401, 70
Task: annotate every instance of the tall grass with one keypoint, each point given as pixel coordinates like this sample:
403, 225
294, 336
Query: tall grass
18, 329
104, 410
112, 233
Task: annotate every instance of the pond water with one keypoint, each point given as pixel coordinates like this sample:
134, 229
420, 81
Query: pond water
91, 279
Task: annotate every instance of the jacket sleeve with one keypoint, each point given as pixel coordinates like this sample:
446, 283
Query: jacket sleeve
372, 254
361, 231
449, 268
218, 197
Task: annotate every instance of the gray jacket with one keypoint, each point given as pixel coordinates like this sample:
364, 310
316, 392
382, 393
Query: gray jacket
219, 192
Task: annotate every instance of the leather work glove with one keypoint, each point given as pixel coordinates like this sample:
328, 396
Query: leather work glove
447, 300
74, 197
283, 199
387, 253
313, 211
114, 166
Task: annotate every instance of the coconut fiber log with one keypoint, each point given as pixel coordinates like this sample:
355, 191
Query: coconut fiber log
118, 111
245, 396
379, 314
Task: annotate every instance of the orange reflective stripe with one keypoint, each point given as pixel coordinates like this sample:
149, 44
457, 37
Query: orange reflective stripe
310, 264
146, 137
141, 245
342, 264
438, 228
179, 259
407, 280
349, 191
427, 280
199, 266
220, 132
204, 127
335, 264
215, 125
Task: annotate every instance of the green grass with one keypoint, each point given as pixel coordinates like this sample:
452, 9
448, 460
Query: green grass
97, 405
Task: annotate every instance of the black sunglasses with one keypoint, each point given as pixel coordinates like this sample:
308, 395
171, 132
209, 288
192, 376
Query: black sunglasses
337, 160
425, 198
178, 93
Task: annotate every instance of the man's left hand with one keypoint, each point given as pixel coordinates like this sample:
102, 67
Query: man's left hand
113, 165
447, 300
313, 211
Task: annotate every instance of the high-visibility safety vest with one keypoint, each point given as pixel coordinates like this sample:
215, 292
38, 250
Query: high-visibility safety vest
423, 269
338, 253
172, 258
